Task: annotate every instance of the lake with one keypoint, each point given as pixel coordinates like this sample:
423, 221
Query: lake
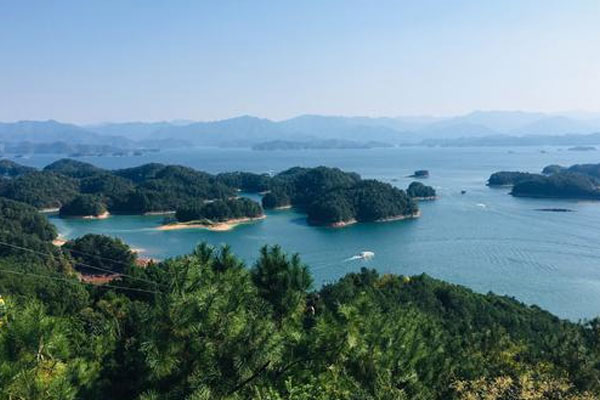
484, 239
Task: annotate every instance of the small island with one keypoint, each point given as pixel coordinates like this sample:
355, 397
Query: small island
557, 210
582, 148
420, 173
419, 191
217, 215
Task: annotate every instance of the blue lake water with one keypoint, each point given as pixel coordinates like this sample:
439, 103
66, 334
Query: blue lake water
484, 239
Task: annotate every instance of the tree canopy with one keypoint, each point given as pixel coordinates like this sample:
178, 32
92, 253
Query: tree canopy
420, 191
83, 205
99, 254
207, 327
330, 196
220, 210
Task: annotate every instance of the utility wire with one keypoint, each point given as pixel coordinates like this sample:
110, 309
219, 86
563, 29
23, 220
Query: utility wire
9, 271
80, 263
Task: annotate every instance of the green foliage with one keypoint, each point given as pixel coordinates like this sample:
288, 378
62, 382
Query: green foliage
561, 185
73, 168
22, 226
330, 196
281, 280
11, 169
592, 170
580, 181
40, 189
147, 188
420, 191
210, 328
245, 181
99, 251
83, 205
505, 178
165, 188
220, 210
276, 199
552, 169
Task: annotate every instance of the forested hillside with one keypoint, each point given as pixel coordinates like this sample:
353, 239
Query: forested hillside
206, 326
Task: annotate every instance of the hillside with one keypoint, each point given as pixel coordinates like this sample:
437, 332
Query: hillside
207, 326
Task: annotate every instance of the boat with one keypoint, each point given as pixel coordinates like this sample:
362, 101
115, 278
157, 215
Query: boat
366, 255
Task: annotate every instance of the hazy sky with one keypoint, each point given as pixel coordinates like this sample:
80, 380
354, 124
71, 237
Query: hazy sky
90, 61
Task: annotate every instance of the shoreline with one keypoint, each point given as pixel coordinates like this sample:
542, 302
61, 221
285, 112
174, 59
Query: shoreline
571, 198
215, 227
282, 207
59, 241
429, 198
104, 215
149, 213
342, 224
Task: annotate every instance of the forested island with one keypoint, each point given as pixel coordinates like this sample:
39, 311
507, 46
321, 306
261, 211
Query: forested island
216, 215
581, 181
328, 196
419, 191
206, 325
336, 198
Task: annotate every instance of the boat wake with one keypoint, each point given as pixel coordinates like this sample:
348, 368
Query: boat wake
363, 255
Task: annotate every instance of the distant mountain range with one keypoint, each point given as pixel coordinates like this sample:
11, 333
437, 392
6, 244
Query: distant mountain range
248, 131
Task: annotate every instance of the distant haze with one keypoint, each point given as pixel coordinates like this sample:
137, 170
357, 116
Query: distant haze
476, 128
96, 61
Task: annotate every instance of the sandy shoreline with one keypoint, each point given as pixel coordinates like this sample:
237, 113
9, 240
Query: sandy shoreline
216, 227
104, 215
59, 241
283, 207
425, 198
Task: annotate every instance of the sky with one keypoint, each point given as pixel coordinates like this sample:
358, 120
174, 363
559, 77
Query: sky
148, 60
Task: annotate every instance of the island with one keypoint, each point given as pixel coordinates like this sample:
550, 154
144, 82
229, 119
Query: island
218, 215
420, 173
566, 185
419, 191
334, 198
580, 181
582, 148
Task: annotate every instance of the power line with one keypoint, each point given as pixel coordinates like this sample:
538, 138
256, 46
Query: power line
9, 271
80, 263
95, 256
